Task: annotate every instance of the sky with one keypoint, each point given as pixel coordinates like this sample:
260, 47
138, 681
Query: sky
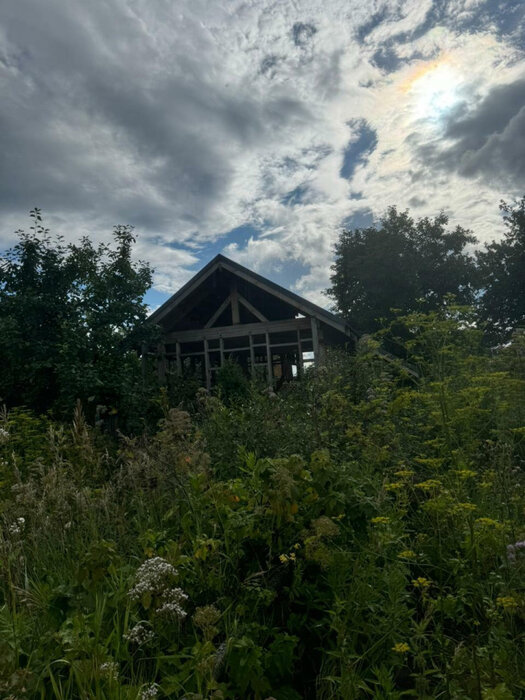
255, 128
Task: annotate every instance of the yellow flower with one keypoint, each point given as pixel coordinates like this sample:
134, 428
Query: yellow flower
283, 558
401, 647
394, 486
508, 603
297, 546
465, 507
292, 556
488, 522
407, 554
380, 520
404, 473
466, 473
422, 583
429, 484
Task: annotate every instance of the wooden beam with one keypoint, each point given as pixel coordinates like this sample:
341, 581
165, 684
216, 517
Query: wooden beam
221, 349
251, 308
198, 335
315, 340
207, 365
234, 296
301, 305
269, 363
252, 357
299, 354
219, 311
179, 359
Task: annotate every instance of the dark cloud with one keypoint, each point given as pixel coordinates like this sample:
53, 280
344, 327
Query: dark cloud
488, 140
95, 121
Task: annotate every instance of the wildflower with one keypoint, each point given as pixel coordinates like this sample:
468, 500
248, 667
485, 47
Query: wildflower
429, 484
149, 691
465, 473
296, 546
140, 634
508, 603
325, 527
154, 581
283, 558
380, 520
422, 583
207, 616
489, 522
292, 556
152, 577
394, 486
171, 602
465, 507
401, 648
404, 473
17, 527
514, 550
109, 669
407, 554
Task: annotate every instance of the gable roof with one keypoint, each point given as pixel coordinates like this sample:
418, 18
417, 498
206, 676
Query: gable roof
221, 262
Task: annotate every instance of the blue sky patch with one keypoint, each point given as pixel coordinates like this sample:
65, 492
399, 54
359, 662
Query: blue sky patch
358, 149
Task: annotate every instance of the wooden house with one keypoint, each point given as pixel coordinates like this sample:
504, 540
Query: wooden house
229, 312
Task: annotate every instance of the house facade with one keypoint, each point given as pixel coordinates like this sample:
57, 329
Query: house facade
227, 312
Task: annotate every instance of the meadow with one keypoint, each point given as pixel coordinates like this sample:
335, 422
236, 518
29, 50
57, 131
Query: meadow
360, 534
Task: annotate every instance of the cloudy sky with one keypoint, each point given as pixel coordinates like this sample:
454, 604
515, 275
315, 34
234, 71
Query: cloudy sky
257, 128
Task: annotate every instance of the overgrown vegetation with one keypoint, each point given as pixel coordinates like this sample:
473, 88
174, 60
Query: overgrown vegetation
359, 535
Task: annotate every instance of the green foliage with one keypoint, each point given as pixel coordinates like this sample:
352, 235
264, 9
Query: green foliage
70, 317
400, 263
501, 265
232, 384
360, 535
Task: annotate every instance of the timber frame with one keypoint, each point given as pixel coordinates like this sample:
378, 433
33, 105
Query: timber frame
227, 311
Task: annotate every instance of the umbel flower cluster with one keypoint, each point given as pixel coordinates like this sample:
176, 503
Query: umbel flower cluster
154, 589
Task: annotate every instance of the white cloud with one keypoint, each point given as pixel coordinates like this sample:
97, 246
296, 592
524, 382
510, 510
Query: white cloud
190, 119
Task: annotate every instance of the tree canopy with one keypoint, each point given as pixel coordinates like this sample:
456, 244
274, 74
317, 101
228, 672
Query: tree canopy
502, 272
401, 263
70, 314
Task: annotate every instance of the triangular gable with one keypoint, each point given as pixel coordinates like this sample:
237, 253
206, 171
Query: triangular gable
220, 262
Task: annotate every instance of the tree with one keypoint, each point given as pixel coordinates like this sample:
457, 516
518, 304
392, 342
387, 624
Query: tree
502, 272
70, 318
402, 263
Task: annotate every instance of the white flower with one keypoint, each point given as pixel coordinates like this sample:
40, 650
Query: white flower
149, 691
4, 435
153, 576
140, 634
110, 669
171, 603
17, 527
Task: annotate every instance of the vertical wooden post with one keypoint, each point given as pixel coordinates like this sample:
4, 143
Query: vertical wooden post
234, 296
179, 359
269, 364
161, 362
221, 345
252, 356
207, 365
299, 354
315, 340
